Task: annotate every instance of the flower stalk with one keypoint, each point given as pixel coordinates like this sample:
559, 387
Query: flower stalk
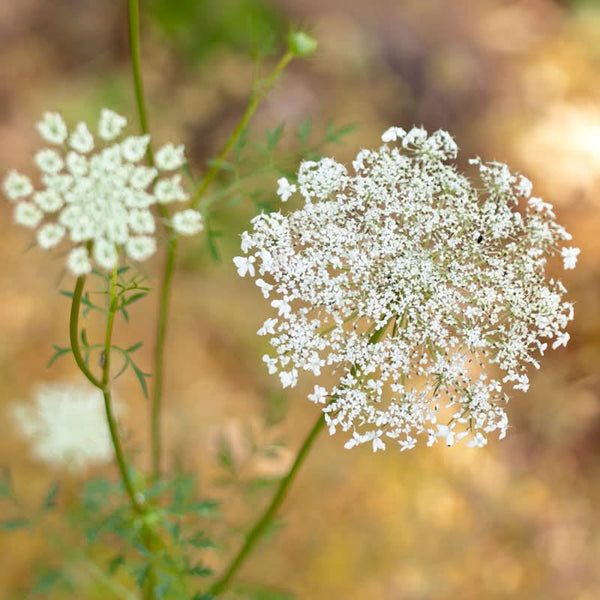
263, 522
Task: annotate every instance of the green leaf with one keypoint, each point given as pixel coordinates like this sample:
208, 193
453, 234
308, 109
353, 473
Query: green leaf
134, 347
83, 336
222, 165
122, 270
66, 293
51, 496
334, 135
6, 489
199, 540
225, 455
303, 132
12, 524
204, 508
57, 354
273, 136
141, 377
133, 298
115, 563
46, 581
200, 571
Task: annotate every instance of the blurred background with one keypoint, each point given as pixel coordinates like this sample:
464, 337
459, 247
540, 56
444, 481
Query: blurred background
512, 80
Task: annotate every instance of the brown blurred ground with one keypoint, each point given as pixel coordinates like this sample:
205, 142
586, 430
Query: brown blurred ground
516, 81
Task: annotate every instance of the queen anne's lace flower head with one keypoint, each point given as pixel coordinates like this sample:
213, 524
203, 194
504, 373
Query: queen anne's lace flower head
424, 293
66, 425
97, 195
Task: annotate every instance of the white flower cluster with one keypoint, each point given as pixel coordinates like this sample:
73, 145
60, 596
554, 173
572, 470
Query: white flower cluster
66, 425
96, 193
424, 293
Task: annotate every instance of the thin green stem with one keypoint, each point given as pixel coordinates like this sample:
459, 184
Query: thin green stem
159, 353
259, 527
74, 333
255, 99
136, 64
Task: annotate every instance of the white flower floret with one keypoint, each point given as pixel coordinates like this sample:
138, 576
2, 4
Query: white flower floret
142, 177
140, 248
244, 265
187, 222
17, 186
48, 161
105, 254
170, 157
79, 261
285, 189
319, 395
81, 139
569, 256
408, 285
66, 425
170, 190
134, 147
392, 134
141, 221
50, 235
77, 164
52, 128
111, 124
28, 214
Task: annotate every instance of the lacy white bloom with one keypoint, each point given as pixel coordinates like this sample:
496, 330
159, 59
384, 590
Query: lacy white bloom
66, 425
98, 201
285, 189
422, 292
569, 256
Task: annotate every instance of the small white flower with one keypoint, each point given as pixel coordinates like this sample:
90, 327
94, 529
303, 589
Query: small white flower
561, 340
285, 189
244, 264
283, 308
265, 287
141, 221
170, 157
134, 147
81, 139
319, 395
392, 134
77, 164
569, 256
288, 378
187, 222
66, 425
48, 161
50, 235
52, 128
142, 177
140, 248
79, 261
170, 190
105, 254
111, 124
268, 327
28, 214
17, 186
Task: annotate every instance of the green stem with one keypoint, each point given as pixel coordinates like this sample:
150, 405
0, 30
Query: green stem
161, 330
259, 527
255, 99
159, 352
102, 384
136, 64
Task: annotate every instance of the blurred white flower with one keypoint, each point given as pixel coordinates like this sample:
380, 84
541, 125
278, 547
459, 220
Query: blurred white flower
66, 425
412, 286
99, 202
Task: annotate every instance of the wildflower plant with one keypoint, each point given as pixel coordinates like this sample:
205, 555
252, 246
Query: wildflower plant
418, 296
422, 292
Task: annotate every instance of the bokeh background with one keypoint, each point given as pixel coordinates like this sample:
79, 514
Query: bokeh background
517, 81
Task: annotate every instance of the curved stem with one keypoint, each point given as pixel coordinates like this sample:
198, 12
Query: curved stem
74, 333
262, 523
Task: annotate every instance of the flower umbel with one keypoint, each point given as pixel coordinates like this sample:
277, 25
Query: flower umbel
422, 292
66, 425
97, 195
